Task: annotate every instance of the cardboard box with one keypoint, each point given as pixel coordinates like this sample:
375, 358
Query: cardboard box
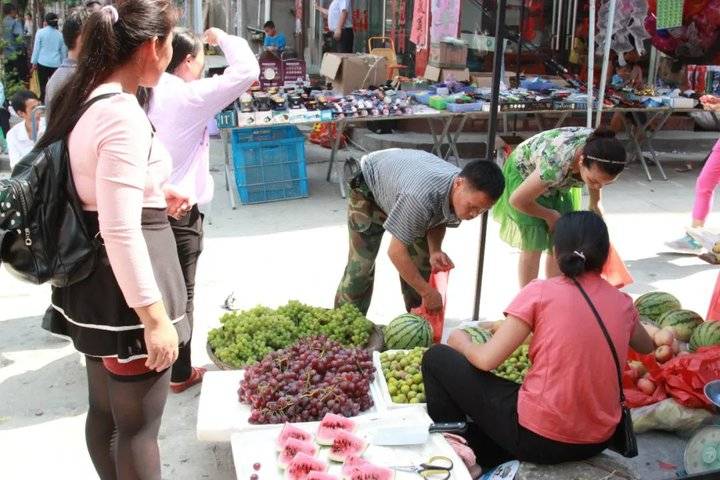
448, 55
349, 72
436, 74
484, 79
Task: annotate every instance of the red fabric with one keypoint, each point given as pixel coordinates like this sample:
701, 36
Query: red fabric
615, 272
438, 281
126, 369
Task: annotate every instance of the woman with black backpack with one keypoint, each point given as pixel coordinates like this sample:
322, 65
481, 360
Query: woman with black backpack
128, 316
568, 407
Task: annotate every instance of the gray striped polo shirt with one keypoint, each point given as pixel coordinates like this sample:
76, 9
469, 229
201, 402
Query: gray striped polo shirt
413, 188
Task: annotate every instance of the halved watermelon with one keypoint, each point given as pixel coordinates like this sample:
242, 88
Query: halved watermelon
293, 447
302, 465
291, 431
346, 445
330, 425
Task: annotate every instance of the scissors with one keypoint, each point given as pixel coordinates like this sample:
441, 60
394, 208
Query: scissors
436, 468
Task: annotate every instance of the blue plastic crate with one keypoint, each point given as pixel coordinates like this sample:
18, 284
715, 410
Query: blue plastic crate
269, 163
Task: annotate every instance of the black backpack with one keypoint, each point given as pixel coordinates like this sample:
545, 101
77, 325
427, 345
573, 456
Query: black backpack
43, 235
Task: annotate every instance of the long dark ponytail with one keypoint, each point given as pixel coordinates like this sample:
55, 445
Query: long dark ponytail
109, 42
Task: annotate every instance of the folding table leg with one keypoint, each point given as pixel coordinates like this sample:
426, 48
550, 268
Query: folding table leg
453, 139
664, 115
339, 129
636, 146
228, 173
437, 142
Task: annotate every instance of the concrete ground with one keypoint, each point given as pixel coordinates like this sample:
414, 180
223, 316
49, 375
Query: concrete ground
268, 254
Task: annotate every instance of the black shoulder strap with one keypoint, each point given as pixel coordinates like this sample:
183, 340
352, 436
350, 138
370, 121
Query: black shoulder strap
89, 103
607, 338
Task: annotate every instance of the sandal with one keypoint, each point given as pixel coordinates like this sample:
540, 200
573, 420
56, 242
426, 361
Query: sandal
195, 377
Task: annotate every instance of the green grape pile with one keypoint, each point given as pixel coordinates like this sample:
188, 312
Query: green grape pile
402, 374
244, 338
516, 366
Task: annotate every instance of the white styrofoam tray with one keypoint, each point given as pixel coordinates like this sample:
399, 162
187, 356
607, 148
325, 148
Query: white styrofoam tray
383, 386
220, 414
259, 446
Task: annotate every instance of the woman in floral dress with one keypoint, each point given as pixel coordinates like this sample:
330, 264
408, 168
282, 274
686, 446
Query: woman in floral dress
543, 177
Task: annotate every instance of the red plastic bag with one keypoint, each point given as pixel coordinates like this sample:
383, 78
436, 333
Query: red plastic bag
614, 271
685, 376
714, 310
633, 396
438, 281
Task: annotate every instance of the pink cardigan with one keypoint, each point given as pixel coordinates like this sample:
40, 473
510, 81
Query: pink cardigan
109, 150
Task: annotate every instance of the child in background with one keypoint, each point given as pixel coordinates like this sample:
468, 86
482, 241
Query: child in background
274, 40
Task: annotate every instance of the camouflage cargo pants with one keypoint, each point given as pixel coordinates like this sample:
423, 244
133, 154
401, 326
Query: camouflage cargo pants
365, 226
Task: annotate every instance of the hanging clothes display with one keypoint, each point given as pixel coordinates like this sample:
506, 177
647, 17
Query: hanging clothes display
420, 24
444, 19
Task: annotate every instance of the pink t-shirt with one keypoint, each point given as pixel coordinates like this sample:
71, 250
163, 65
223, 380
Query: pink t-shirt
109, 150
571, 392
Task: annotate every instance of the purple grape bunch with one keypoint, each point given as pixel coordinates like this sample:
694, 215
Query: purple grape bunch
307, 380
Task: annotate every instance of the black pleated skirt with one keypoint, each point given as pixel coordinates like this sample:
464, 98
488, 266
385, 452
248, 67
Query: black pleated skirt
93, 313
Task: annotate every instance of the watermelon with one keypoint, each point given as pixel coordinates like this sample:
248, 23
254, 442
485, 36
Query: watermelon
653, 305
478, 335
291, 431
705, 335
346, 445
683, 322
301, 466
330, 425
292, 448
408, 331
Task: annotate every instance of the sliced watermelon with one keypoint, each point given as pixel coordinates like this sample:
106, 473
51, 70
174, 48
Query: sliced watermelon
301, 466
351, 462
320, 476
293, 447
330, 425
346, 445
369, 471
291, 431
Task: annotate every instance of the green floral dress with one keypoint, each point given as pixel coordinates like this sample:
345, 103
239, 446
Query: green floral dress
553, 152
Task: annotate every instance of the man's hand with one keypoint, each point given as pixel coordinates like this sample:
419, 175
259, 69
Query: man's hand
432, 301
337, 34
440, 262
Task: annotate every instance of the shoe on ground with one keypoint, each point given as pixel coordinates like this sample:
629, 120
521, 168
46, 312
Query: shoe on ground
686, 244
195, 377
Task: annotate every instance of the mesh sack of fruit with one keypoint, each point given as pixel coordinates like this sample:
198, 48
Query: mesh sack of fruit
684, 377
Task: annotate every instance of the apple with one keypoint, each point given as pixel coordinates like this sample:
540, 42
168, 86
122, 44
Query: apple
646, 386
637, 368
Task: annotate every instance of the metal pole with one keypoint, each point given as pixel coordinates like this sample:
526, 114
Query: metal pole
519, 54
384, 5
591, 63
198, 17
268, 10
552, 29
574, 24
492, 128
653, 67
606, 59
558, 40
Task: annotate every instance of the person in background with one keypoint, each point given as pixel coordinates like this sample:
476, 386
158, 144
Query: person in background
71, 30
20, 139
542, 176
92, 6
14, 46
705, 186
4, 116
180, 107
128, 316
414, 195
274, 40
48, 52
339, 17
29, 25
568, 406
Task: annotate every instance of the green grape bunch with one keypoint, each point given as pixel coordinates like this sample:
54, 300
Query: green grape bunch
244, 338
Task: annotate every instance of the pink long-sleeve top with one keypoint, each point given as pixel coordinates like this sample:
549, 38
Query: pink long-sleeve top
117, 174
180, 112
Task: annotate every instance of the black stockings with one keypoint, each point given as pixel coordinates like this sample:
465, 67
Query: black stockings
122, 424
